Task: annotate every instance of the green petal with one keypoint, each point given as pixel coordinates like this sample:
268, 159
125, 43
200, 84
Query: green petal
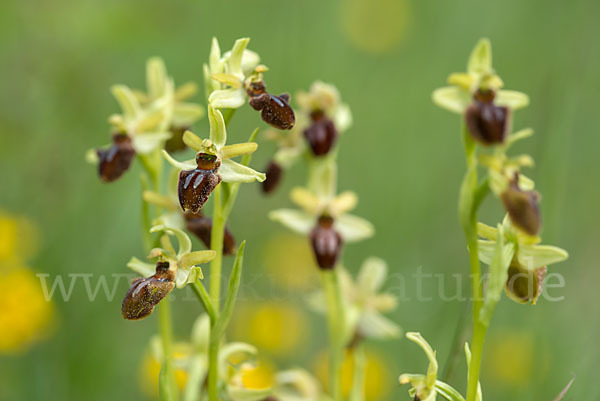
186, 91
127, 100
185, 244
193, 141
156, 77
451, 98
296, 220
231, 171
372, 275
512, 99
533, 256
306, 200
238, 149
353, 228
218, 132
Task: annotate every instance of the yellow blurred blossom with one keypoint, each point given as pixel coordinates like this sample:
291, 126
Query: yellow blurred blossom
377, 377
18, 239
289, 262
511, 358
150, 370
25, 315
258, 375
277, 328
375, 26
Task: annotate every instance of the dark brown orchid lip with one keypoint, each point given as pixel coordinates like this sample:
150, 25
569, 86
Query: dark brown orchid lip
326, 243
523, 285
321, 134
274, 110
145, 293
195, 186
522, 207
486, 122
273, 172
201, 226
114, 161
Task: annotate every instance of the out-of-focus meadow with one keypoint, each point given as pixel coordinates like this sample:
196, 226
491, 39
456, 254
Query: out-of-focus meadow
403, 156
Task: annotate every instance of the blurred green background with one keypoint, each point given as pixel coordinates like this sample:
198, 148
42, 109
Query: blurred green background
403, 156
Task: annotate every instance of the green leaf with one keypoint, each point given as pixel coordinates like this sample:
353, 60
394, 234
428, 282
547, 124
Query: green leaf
232, 292
218, 132
480, 60
451, 98
231, 171
204, 298
501, 259
296, 220
353, 228
468, 357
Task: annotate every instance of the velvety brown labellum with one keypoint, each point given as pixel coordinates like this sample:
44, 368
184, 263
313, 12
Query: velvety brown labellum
486, 122
523, 208
145, 293
275, 110
114, 161
326, 243
195, 186
273, 173
524, 285
201, 227
321, 135
175, 142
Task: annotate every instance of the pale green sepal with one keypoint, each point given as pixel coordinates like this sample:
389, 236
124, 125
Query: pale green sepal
451, 98
372, 274
487, 232
185, 244
501, 260
185, 91
296, 220
189, 275
196, 258
233, 172
159, 200
146, 143
374, 325
480, 60
127, 100
235, 58
185, 114
214, 58
343, 203
514, 100
142, 268
448, 392
232, 98
186, 165
156, 77
353, 228
218, 132
305, 199
533, 256
91, 156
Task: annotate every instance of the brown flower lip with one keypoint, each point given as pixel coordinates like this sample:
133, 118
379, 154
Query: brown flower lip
195, 186
274, 110
523, 285
273, 172
201, 226
322, 133
487, 123
145, 293
326, 243
114, 161
522, 207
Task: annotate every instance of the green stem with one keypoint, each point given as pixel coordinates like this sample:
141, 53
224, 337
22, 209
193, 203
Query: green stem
213, 368
358, 377
166, 336
216, 243
336, 323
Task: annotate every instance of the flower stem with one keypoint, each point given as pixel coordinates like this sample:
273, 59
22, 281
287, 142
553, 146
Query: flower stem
166, 335
336, 322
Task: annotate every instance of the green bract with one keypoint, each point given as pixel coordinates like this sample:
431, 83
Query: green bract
479, 75
229, 171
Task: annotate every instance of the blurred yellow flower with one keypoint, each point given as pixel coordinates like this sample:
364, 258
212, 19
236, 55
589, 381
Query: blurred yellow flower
275, 327
25, 315
289, 262
511, 358
150, 370
375, 26
377, 377
18, 239
259, 375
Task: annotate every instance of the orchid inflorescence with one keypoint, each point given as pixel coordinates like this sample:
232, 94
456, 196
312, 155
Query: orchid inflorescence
154, 124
